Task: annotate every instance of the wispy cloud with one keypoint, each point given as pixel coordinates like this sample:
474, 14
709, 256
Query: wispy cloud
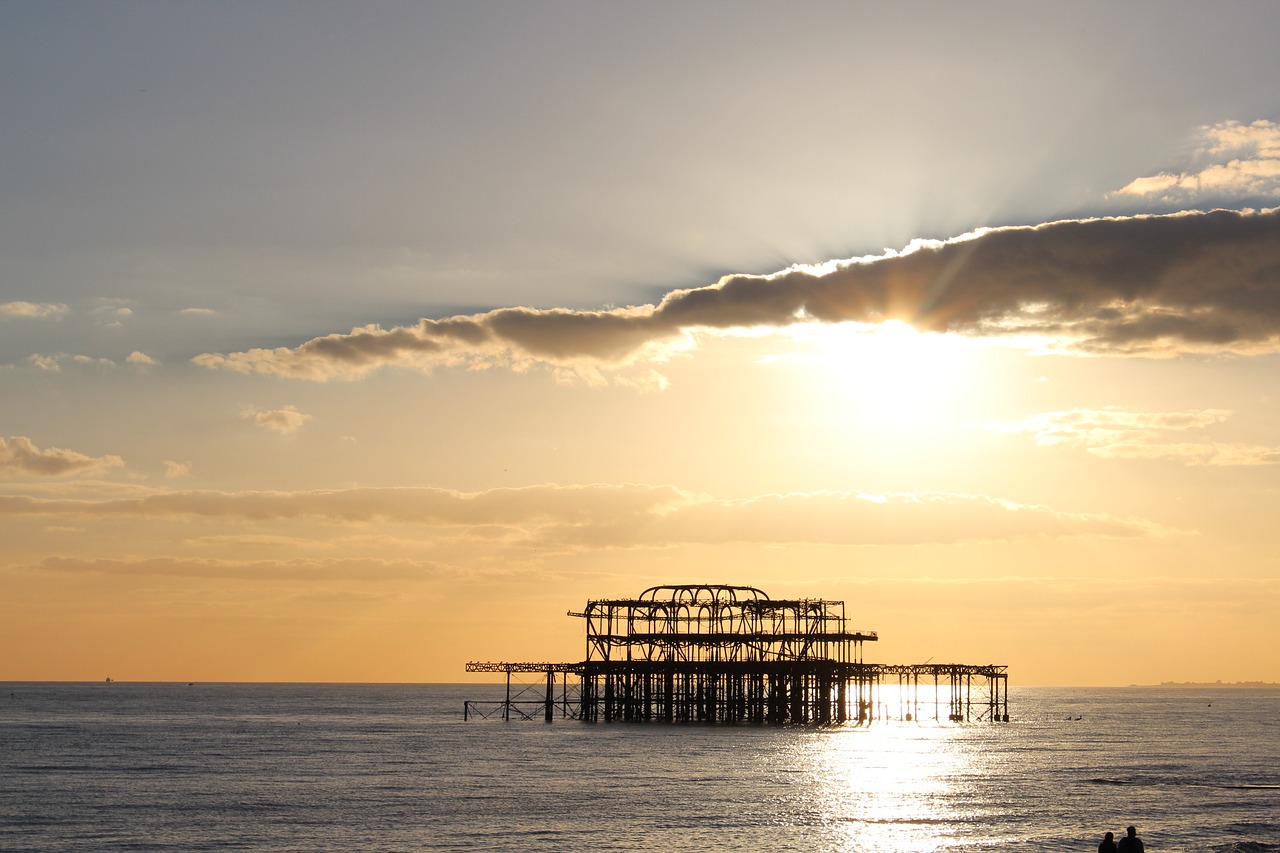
113, 315
265, 570
53, 362
1117, 433
20, 457
1233, 160
285, 421
1084, 598
141, 359
625, 516
32, 309
841, 518
176, 470
1144, 285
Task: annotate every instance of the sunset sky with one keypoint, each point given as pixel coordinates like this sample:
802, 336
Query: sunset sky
354, 341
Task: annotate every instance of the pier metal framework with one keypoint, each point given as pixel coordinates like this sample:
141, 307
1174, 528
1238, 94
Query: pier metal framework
731, 654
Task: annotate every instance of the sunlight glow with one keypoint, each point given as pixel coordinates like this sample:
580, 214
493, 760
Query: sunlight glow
889, 787
891, 376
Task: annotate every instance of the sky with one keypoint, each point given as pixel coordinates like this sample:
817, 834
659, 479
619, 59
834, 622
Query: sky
353, 342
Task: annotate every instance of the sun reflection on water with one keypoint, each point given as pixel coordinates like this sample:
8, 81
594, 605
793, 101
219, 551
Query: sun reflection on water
888, 787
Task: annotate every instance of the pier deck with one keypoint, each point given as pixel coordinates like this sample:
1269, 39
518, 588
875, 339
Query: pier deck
729, 654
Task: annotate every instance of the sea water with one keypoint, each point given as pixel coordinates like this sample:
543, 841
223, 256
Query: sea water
292, 767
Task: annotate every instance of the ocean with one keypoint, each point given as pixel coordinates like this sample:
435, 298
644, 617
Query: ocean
376, 767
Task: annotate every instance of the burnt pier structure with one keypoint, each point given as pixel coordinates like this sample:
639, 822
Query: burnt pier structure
730, 654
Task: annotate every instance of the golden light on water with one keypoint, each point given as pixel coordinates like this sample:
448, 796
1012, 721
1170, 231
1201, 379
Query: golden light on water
897, 784
889, 786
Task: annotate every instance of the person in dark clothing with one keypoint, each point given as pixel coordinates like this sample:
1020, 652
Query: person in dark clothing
1108, 844
1131, 843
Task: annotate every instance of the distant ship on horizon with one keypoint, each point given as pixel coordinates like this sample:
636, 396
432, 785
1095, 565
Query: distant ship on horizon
1244, 684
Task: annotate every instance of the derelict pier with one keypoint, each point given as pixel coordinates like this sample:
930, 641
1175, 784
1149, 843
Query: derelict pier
730, 654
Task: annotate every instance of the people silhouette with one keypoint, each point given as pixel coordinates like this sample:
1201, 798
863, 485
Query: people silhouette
1108, 844
1131, 843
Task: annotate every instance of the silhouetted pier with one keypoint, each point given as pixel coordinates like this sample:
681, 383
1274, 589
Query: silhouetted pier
731, 654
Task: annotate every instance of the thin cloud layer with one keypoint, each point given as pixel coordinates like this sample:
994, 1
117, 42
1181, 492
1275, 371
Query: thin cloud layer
1116, 433
174, 470
1143, 285
1072, 597
53, 363
1234, 160
624, 516
32, 309
843, 518
263, 570
20, 457
112, 315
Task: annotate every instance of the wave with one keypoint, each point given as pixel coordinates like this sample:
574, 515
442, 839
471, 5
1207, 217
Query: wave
1227, 786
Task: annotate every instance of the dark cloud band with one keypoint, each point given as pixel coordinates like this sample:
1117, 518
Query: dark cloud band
1124, 285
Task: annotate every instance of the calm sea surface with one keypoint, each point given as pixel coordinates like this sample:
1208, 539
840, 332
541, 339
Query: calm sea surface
287, 767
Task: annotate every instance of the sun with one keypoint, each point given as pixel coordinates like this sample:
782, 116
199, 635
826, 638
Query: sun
892, 377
